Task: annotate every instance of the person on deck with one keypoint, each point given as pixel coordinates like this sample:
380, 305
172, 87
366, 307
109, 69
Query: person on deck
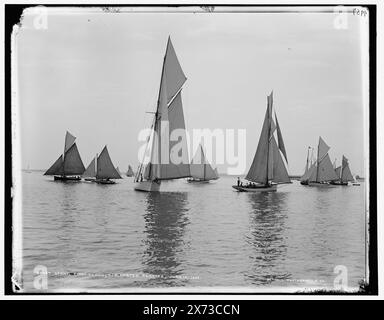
238, 181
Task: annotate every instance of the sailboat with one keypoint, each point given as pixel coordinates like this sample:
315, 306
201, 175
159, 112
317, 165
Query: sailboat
69, 165
321, 172
201, 170
105, 170
343, 173
90, 173
130, 172
308, 164
168, 117
268, 168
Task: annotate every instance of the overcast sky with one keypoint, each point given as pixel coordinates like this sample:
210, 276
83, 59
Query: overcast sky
96, 74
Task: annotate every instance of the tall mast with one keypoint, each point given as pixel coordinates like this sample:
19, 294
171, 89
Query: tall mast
203, 157
306, 169
158, 103
269, 133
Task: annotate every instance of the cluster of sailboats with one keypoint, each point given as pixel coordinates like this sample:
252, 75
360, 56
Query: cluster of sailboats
321, 172
267, 171
70, 167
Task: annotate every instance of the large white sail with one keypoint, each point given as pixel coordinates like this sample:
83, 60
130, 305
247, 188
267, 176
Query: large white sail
90, 172
169, 158
105, 167
172, 72
258, 170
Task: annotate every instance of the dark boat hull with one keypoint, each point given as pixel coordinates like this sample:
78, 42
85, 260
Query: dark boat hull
66, 178
197, 181
101, 181
338, 183
270, 188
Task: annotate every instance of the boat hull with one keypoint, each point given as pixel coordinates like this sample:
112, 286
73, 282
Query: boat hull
89, 179
66, 178
338, 183
271, 188
102, 181
320, 185
147, 186
197, 181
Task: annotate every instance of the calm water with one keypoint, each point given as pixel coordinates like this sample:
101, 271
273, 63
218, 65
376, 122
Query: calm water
92, 236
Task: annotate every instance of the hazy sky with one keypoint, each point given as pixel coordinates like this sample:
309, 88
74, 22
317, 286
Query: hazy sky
95, 74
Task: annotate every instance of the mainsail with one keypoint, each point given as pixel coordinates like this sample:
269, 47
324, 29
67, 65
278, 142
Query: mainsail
200, 167
105, 167
169, 154
268, 164
90, 172
70, 163
346, 174
73, 164
324, 170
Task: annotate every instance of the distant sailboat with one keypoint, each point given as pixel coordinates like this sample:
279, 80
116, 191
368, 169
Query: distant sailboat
308, 165
343, 173
105, 170
201, 170
321, 172
268, 168
90, 173
169, 115
68, 166
130, 172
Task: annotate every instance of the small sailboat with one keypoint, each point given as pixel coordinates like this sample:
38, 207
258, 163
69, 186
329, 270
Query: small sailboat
168, 117
90, 173
343, 173
130, 172
105, 170
268, 168
321, 173
201, 170
304, 177
69, 166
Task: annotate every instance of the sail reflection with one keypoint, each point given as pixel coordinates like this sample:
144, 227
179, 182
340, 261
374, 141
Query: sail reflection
165, 222
266, 237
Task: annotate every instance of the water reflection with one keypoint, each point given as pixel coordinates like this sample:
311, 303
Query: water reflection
165, 221
266, 237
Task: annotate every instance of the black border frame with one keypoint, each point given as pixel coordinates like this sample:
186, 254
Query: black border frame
12, 14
